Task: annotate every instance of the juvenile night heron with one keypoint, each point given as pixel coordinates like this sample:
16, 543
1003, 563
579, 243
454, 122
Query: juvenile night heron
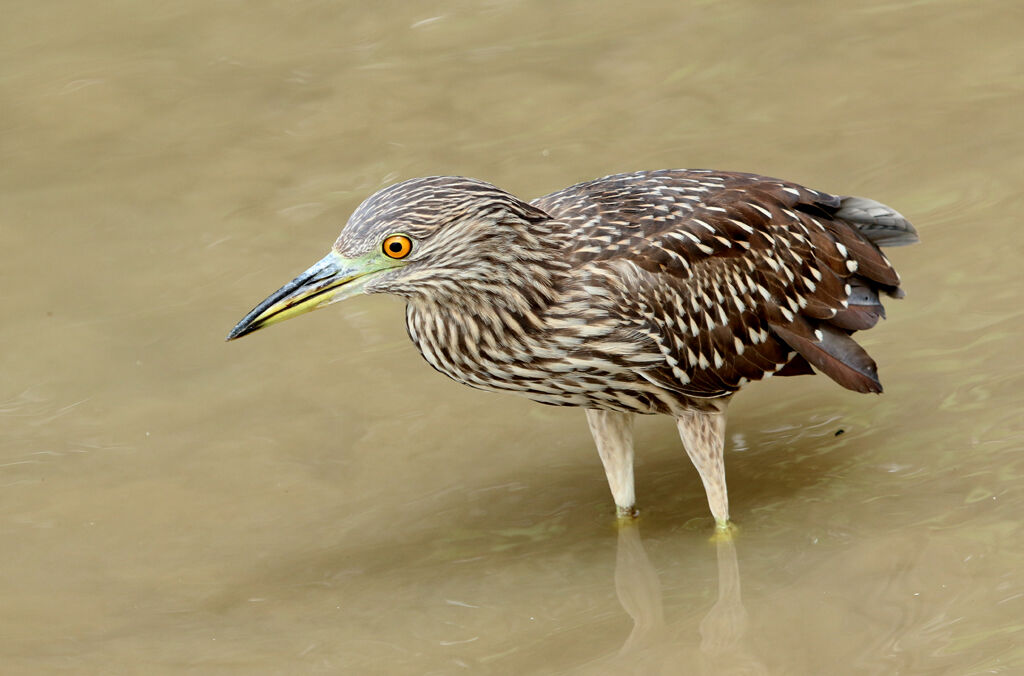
650, 292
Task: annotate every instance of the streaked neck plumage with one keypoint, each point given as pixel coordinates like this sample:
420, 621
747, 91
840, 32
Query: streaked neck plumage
488, 309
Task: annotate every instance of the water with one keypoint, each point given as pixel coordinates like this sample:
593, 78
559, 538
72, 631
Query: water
315, 499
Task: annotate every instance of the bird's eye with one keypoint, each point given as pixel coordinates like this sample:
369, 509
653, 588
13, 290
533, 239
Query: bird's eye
397, 246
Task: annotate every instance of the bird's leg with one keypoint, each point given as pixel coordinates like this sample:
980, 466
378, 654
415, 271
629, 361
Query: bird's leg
613, 434
703, 435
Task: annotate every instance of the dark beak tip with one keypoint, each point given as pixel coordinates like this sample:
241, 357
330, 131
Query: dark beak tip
241, 329
257, 318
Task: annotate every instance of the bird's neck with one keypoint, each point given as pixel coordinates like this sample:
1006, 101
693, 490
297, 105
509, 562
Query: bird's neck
518, 270
473, 340
493, 312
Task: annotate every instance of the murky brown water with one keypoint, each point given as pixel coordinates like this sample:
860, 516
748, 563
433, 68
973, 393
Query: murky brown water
316, 499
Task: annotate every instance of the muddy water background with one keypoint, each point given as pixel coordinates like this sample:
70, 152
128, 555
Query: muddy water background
315, 499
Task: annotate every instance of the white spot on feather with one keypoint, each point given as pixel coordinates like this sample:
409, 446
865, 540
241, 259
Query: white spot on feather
684, 235
743, 226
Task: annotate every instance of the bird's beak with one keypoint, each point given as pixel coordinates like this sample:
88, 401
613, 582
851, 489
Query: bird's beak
333, 278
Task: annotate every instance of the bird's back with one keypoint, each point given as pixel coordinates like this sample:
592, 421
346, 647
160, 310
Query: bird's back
700, 281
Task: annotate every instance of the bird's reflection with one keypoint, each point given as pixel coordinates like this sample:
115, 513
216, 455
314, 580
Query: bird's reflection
724, 644
638, 589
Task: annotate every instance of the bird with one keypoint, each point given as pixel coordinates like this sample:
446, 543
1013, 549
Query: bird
651, 292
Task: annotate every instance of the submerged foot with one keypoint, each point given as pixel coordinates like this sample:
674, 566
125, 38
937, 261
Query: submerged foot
724, 531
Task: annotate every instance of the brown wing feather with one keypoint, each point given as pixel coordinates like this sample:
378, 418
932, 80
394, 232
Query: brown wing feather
735, 276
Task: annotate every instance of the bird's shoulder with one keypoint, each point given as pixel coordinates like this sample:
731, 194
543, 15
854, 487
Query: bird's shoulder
653, 217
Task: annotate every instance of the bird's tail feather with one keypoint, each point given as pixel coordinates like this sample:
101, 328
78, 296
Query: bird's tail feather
834, 353
883, 225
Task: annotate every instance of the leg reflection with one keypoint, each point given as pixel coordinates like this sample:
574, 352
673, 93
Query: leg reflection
638, 589
723, 630
651, 645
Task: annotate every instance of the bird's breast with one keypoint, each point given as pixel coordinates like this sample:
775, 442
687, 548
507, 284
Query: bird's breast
564, 362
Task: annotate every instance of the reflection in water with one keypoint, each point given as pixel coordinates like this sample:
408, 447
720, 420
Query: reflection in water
723, 631
724, 645
638, 589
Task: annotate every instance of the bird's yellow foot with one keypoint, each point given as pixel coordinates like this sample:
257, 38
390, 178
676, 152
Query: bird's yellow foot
724, 531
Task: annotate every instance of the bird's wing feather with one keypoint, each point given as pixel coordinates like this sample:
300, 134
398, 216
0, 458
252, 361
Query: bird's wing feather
732, 277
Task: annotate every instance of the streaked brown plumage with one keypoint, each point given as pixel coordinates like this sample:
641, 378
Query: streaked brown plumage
651, 292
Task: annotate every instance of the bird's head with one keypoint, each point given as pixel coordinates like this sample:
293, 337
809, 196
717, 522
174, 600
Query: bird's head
440, 238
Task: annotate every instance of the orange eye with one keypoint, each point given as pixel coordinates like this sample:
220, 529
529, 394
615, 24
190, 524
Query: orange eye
397, 246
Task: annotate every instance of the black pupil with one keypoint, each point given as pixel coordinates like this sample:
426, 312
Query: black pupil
395, 247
